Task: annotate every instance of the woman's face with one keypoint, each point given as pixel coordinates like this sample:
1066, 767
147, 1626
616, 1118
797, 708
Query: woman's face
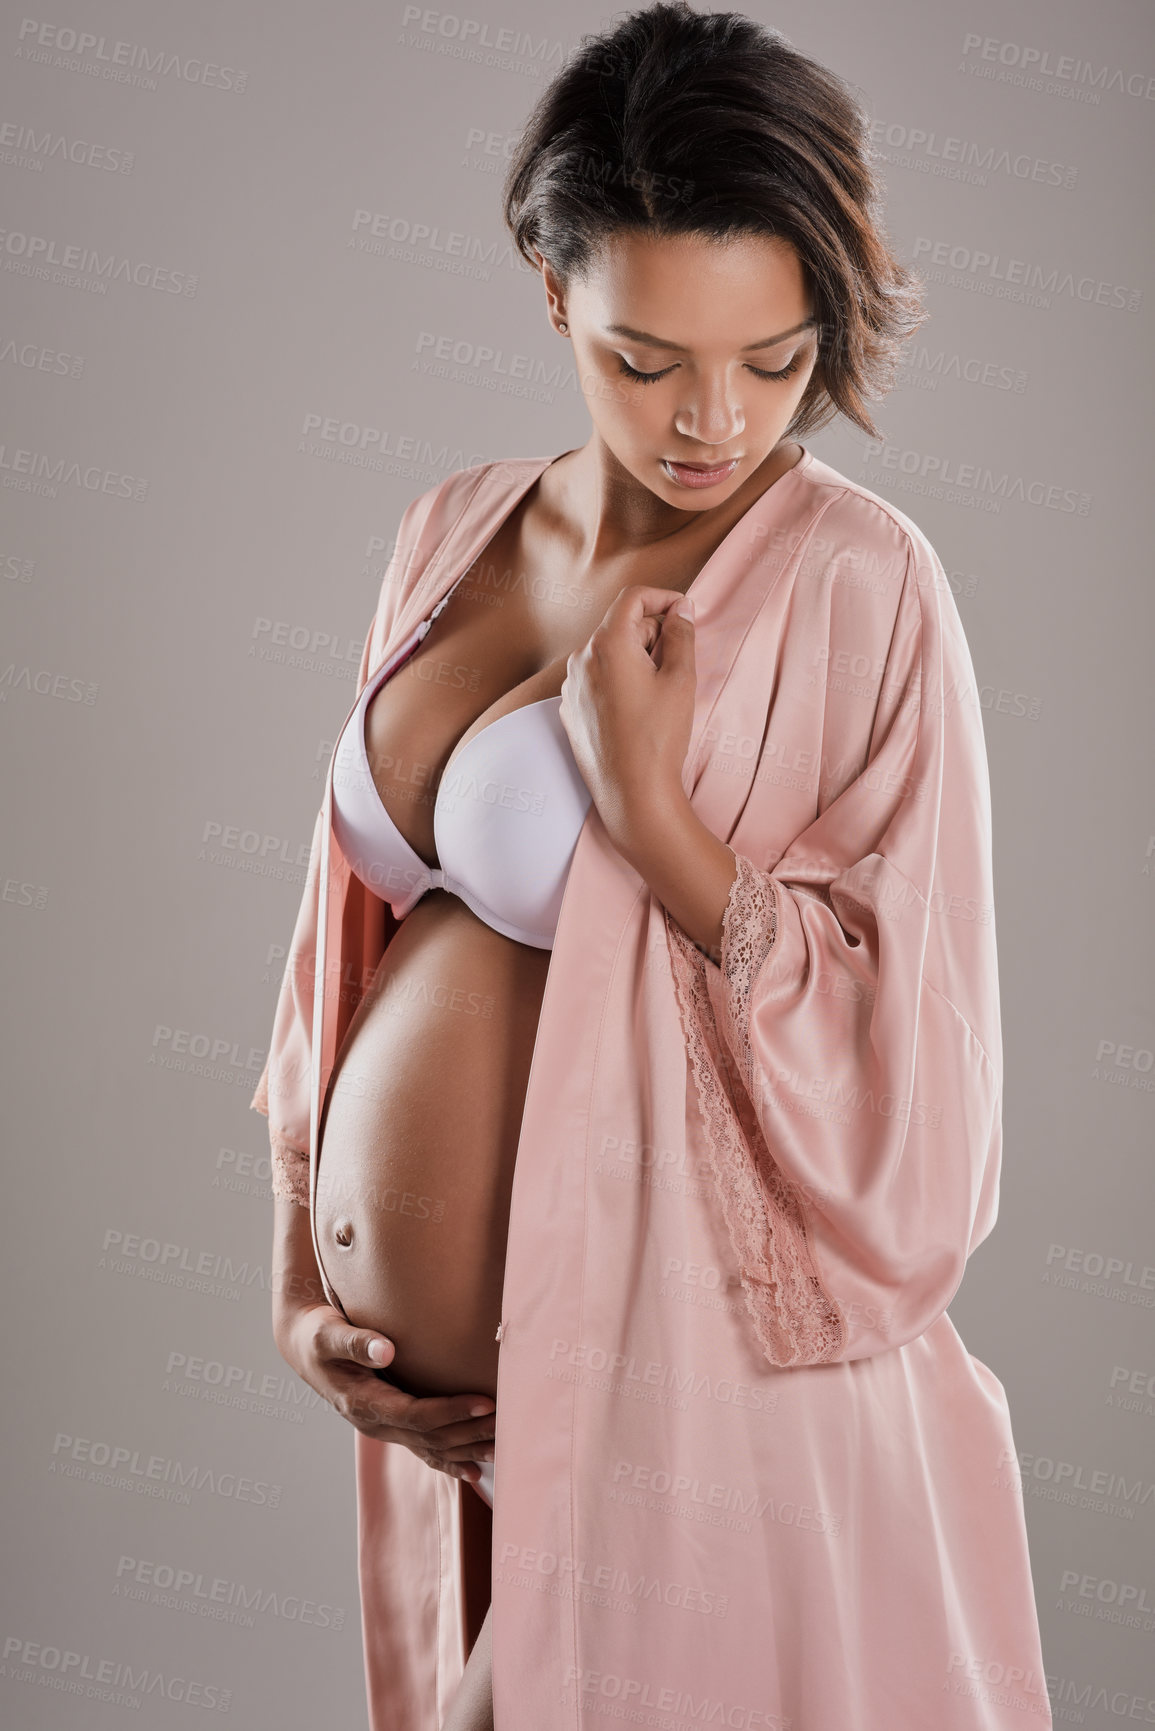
693, 315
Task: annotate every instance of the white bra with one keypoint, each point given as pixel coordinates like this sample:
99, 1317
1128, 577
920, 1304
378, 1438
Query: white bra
509, 808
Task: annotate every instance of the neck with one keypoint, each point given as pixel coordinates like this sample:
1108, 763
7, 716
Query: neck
609, 514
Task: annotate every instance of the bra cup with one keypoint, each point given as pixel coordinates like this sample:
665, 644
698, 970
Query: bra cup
379, 855
509, 811
507, 817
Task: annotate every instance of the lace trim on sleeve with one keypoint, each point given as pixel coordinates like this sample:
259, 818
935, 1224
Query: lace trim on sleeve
290, 1171
796, 1320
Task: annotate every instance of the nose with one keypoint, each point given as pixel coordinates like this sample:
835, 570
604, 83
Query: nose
713, 415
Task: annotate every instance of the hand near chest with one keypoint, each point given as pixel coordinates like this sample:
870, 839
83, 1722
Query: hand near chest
627, 705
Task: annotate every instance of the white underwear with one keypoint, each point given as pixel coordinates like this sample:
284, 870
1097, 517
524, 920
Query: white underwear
485, 1483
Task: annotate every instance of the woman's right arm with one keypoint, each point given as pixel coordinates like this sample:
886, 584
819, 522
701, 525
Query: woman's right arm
323, 1348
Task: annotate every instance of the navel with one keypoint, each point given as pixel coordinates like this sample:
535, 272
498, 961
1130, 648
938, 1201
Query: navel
343, 1232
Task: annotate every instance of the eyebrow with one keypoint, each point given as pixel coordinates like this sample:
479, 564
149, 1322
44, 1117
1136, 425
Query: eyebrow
661, 343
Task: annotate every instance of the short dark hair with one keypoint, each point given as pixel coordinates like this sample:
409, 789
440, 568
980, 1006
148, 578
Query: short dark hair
678, 122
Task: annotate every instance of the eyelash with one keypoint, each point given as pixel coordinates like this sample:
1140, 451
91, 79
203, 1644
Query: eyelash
651, 378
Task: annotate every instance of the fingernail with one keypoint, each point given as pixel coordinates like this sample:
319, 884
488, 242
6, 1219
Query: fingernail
479, 1411
377, 1351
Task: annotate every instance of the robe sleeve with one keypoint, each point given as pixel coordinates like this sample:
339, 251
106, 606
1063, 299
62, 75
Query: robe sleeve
846, 1044
283, 1093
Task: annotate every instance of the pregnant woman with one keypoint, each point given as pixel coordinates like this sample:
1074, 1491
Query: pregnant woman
635, 1083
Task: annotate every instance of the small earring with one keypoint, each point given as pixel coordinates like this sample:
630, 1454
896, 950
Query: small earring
562, 326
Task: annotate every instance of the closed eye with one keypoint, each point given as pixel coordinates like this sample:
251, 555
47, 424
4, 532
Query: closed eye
651, 378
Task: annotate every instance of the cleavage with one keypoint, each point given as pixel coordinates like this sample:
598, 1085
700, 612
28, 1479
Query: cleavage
432, 706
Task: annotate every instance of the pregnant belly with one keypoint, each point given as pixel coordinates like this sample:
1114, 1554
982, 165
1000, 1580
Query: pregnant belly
419, 1139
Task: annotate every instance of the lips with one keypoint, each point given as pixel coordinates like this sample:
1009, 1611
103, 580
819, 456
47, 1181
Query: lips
699, 474
701, 468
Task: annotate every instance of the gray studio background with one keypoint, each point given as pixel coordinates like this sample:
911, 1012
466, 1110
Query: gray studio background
256, 296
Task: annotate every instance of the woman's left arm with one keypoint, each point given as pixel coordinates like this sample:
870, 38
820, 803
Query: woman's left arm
629, 716
840, 1000
688, 869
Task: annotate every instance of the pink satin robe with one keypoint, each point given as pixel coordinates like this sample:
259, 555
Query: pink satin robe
747, 1473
